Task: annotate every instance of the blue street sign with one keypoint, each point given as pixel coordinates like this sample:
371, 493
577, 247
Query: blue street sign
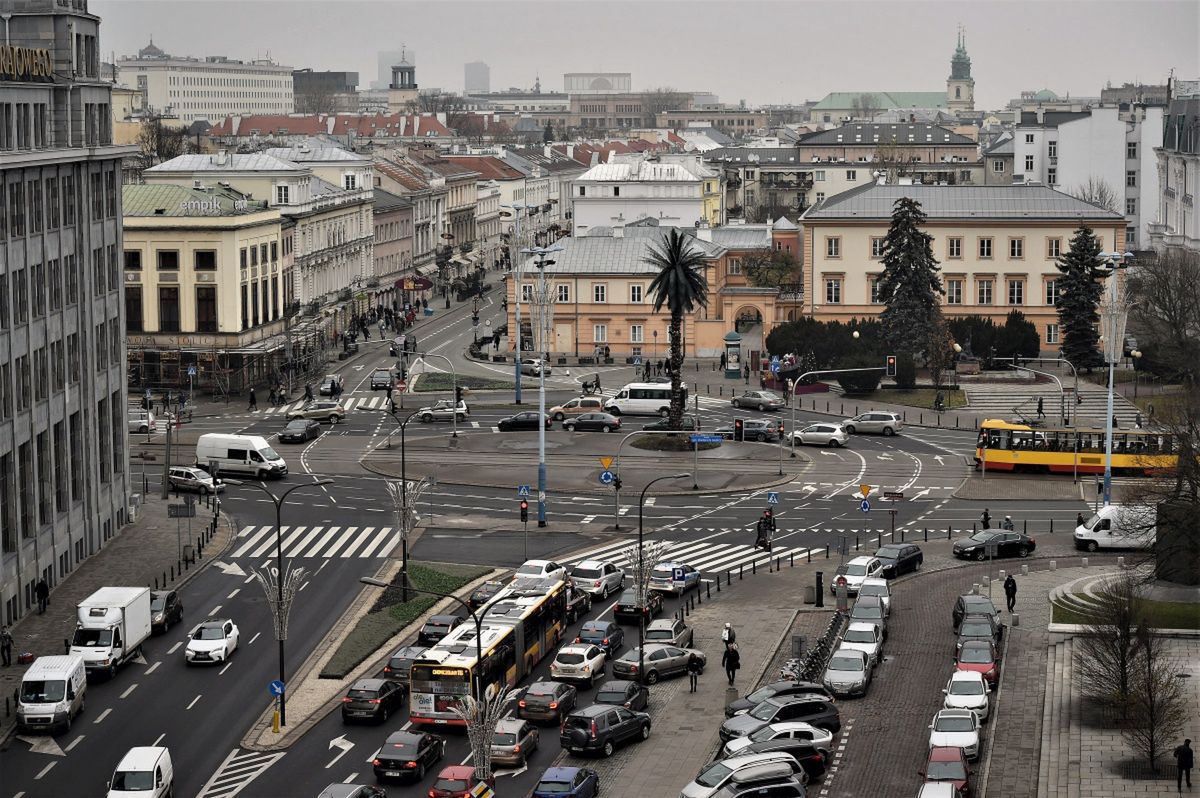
523, 490
775, 366
191, 371
677, 574
276, 688
774, 358
706, 438
865, 506
606, 477
637, 360
772, 497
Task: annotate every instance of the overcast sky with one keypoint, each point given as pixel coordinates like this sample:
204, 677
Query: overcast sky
762, 52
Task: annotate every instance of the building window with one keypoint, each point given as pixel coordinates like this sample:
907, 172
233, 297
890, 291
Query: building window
954, 248
282, 195
875, 291
851, 175
636, 333
635, 294
20, 296
350, 182
243, 257
1131, 178
616, 191
206, 308
1028, 138
1016, 248
735, 265
564, 293
1052, 292
1052, 176
985, 292
254, 304
168, 309
526, 292
1028, 163
833, 247
954, 291
275, 250
820, 196
133, 259
205, 260
1130, 237
1053, 247
1131, 150
1131, 206
819, 175
1051, 333
1016, 292
133, 308
582, 191
833, 291
599, 292
600, 333
985, 247
997, 166
168, 260
876, 247
1052, 149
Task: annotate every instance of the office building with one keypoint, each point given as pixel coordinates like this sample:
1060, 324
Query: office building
477, 78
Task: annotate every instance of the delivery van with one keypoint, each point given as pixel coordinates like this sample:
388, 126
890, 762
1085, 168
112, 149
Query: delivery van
113, 624
644, 399
244, 454
1117, 527
145, 772
53, 692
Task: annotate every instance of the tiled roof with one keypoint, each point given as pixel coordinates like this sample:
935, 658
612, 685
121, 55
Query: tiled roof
168, 200
1018, 201
902, 133
305, 153
435, 163
883, 100
386, 201
644, 171
234, 162
1001, 146
404, 175
600, 254
271, 125
364, 125
489, 167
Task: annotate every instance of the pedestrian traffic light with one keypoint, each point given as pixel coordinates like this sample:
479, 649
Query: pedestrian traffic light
781, 430
891, 365
524, 511
739, 429
458, 394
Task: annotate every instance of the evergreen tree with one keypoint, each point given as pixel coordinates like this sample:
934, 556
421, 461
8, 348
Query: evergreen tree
548, 134
910, 285
1079, 292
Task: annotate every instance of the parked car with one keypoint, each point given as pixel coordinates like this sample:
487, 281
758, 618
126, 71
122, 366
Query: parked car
715, 775
672, 631
381, 379
525, 420
967, 690
600, 728
547, 701
877, 587
659, 661
542, 569
978, 627
856, 571
815, 709
372, 699
485, 593
567, 783
832, 435
785, 730
444, 410
627, 609
848, 672
631, 695
874, 421
513, 741
598, 577
456, 781
870, 609
140, 420
864, 637
813, 759
353, 791
593, 422
608, 635
407, 755
197, 479
577, 406
782, 689
956, 728
437, 627
899, 558
949, 765
300, 430
211, 642
166, 608
399, 665
687, 423
320, 410
762, 400
580, 662
973, 604
535, 365
981, 656
1008, 544
674, 577
327, 383
753, 429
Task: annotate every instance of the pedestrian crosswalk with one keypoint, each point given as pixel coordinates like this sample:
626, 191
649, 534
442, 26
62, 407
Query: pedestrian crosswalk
236, 772
302, 542
706, 556
353, 403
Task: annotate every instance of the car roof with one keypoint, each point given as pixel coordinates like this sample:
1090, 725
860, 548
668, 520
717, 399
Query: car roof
661, 623
597, 624
410, 651
945, 753
442, 618
616, 685
341, 790
593, 563
368, 684
457, 772
409, 737
851, 651
510, 724
859, 626
966, 676
937, 789
868, 601
142, 757
955, 713
861, 560
874, 580
671, 564
560, 773
576, 648
593, 709
211, 623
545, 687
739, 761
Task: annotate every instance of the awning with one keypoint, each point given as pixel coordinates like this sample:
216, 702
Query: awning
428, 268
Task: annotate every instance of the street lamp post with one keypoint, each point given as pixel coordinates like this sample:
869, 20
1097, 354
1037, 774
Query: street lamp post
641, 570
543, 303
404, 501
280, 609
1112, 322
517, 209
453, 383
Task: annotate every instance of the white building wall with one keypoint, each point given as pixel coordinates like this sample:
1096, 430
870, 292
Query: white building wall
610, 211
1149, 135
1093, 147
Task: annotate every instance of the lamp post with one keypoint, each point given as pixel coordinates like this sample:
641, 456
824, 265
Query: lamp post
453, 382
543, 304
404, 500
517, 209
281, 608
1112, 324
641, 588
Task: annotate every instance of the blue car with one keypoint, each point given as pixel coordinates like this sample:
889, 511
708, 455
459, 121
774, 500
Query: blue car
663, 578
608, 635
567, 783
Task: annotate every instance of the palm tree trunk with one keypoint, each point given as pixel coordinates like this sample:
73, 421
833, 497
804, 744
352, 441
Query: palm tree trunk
675, 366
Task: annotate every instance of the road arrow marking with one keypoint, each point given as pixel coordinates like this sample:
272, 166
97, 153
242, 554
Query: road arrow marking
922, 493
516, 772
230, 569
139, 660
341, 743
938, 457
43, 745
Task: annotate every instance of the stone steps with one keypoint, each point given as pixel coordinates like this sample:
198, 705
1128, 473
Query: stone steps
1072, 691
1047, 773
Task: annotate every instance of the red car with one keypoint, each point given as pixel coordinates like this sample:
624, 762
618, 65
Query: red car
949, 765
980, 656
455, 781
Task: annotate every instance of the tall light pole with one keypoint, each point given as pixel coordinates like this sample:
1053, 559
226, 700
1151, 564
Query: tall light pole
403, 498
543, 304
1112, 323
517, 210
281, 607
641, 589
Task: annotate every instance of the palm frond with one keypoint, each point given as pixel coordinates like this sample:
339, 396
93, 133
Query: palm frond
680, 283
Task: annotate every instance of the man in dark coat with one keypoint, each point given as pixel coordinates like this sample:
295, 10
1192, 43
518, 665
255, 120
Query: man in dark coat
731, 660
42, 591
1010, 592
1185, 760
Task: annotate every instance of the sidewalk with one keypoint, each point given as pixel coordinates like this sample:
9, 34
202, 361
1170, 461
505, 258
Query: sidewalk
140, 554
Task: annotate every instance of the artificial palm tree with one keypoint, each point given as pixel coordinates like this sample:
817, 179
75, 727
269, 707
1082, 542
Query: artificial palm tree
682, 287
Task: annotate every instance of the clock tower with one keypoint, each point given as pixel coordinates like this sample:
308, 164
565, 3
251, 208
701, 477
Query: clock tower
960, 88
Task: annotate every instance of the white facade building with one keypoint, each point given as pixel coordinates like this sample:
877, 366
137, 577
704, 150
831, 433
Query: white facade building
1178, 223
626, 190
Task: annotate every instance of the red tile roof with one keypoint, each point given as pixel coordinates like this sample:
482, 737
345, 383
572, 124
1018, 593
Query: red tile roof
270, 125
488, 167
365, 125
405, 176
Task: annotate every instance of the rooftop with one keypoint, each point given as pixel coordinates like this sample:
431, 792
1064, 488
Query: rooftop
600, 252
315, 152
180, 201
882, 100
387, 201
489, 167
870, 133
226, 162
636, 171
1018, 201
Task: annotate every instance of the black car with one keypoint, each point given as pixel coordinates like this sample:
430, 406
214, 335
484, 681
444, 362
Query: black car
372, 699
627, 609
979, 627
899, 558
600, 728
300, 430
525, 420
608, 635
1008, 544
593, 422
971, 604
781, 688
686, 423
631, 695
381, 379
437, 627
814, 760
547, 701
407, 755
353, 791
485, 593
166, 608
815, 709
753, 429
399, 665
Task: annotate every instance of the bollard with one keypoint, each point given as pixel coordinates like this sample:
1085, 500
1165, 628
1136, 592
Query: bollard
1025, 526
741, 572
156, 583
1051, 526
708, 588
721, 390
856, 542
172, 573
1053, 565
827, 407
728, 578
926, 534
972, 527
754, 566
947, 532
1085, 560
66, 646
699, 598
791, 559
956, 422
164, 579
842, 408
1014, 619
6, 710
975, 589
827, 552
921, 419
1003, 573
809, 555
1024, 570
901, 535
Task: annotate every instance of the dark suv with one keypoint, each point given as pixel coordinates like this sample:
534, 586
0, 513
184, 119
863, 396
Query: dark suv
781, 689
372, 699
600, 728
899, 558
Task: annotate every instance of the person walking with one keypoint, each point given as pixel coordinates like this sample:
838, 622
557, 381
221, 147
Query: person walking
272, 398
1079, 519
253, 401
1007, 523
1041, 413
1150, 411
723, 361
42, 591
731, 660
308, 394
1010, 592
1185, 760
728, 635
986, 518
6, 645
693, 669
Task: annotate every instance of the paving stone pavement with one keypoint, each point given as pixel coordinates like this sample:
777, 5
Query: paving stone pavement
139, 553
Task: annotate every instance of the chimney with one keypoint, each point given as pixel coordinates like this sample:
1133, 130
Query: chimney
618, 231
222, 158
571, 150
1041, 115
703, 231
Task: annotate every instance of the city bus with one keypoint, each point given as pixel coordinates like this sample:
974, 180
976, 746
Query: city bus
1003, 446
519, 627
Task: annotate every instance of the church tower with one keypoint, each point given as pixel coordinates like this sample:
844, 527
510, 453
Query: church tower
402, 91
960, 88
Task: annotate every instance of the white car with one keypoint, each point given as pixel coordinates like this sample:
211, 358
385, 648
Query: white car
542, 569
598, 577
534, 366
857, 570
832, 435
444, 410
956, 728
967, 690
794, 729
878, 587
578, 662
864, 637
212, 641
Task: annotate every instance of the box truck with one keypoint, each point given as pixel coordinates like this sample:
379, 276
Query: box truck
113, 624
53, 692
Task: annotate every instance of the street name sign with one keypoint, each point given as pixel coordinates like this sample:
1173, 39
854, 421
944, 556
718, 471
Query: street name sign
181, 511
706, 438
894, 495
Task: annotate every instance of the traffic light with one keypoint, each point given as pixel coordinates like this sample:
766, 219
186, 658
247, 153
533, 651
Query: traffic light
524, 511
616, 483
739, 429
458, 394
781, 430
891, 365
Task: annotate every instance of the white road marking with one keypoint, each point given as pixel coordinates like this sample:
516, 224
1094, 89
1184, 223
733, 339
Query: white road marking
159, 739
174, 648
214, 610
234, 593
256, 634
73, 743
153, 667
194, 700
46, 770
222, 671
129, 690
102, 715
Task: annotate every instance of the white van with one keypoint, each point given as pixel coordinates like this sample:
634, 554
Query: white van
246, 454
144, 772
53, 692
1117, 527
141, 420
644, 399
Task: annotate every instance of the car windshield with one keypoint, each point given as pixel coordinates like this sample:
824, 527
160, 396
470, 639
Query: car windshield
209, 633
1091, 522
101, 638
41, 692
269, 453
945, 771
888, 553
975, 655
845, 662
586, 573
953, 723
967, 687
873, 590
553, 787
529, 570
569, 659
856, 569
764, 711
132, 781
451, 785
975, 629
761, 694
859, 636
157, 604
870, 613
714, 775
763, 734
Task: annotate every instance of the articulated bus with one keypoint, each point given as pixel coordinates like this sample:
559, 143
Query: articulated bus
519, 627
1064, 450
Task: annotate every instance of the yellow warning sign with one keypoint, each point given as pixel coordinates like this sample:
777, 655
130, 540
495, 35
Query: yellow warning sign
865, 490
606, 462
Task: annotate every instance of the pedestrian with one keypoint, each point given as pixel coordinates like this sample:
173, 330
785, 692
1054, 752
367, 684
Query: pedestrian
1007, 523
272, 398
1137, 420
1150, 411
166, 401
762, 382
1114, 422
6, 644
253, 401
693, 667
1079, 520
723, 361
728, 635
42, 591
731, 660
1010, 592
308, 394
607, 352
746, 372
182, 401
986, 518
1185, 760
1041, 413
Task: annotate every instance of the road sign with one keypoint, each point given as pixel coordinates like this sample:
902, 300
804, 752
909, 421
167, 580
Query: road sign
637, 360
894, 495
797, 646
706, 438
542, 496
276, 688
865, 490
191, 371
772, 497
606, 477
677, 574
523, 490
606, 462
775, 366
181, 511
481, 790
865, 506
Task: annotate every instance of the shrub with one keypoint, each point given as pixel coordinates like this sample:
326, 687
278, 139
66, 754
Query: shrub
906, 371
860, 382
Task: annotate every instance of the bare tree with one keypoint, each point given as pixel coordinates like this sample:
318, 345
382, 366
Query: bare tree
865, 105
1109, 646
1165, 292
1158, 705
455, 107
770, 269
317, 100
480, 718
640, 564
158, 142
655, 101
1098, 192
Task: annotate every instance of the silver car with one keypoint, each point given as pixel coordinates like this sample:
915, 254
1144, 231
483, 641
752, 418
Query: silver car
188, 478
444, 410
513, 741
848, 672
669, 630
598, 577
864, 637
833, 435
534, 365
762, 400
870, 609
320, 410
877, 421
660, 660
